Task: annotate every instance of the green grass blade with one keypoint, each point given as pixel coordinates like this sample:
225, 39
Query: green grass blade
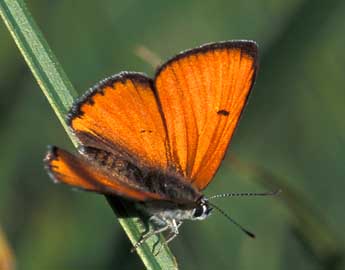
39, 57
60, 94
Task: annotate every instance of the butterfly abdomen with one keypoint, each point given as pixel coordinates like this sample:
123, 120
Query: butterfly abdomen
155, 180
113, 164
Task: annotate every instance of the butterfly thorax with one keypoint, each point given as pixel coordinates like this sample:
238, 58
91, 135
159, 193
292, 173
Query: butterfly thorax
170, 186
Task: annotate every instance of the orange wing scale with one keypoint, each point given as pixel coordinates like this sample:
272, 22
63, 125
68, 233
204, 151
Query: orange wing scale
75, 171
202, 94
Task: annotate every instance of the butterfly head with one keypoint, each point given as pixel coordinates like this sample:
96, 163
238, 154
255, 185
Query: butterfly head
202, 210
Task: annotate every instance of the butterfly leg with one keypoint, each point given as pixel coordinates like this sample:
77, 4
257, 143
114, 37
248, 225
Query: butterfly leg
171, 237
173, 233
174, 230
146, 236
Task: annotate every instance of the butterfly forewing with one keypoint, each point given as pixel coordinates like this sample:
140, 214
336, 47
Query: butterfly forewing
202, 93
122, 111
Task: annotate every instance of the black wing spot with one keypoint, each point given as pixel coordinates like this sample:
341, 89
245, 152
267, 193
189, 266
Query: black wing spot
223, 112
145, 130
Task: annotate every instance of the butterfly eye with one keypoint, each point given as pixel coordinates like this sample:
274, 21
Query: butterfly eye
201, 211
198, 211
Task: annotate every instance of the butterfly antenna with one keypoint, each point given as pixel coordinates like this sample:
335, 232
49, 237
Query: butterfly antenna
273, 193
250, 234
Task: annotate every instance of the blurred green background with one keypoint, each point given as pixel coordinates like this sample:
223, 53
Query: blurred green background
293, 133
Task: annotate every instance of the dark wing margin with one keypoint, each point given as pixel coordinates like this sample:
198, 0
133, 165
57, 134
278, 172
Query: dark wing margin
250, 47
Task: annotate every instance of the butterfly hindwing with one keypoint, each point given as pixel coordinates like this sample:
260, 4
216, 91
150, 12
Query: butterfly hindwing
202, 93
83, 173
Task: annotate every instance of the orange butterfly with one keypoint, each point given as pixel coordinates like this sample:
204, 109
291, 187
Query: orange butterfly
160, 141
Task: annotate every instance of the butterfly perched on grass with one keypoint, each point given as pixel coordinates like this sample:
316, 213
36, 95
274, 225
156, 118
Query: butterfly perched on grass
160, 141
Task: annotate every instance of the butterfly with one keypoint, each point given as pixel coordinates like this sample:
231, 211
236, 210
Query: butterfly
160, 141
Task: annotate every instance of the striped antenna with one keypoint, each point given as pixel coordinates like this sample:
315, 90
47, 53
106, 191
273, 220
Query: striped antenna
247, 194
